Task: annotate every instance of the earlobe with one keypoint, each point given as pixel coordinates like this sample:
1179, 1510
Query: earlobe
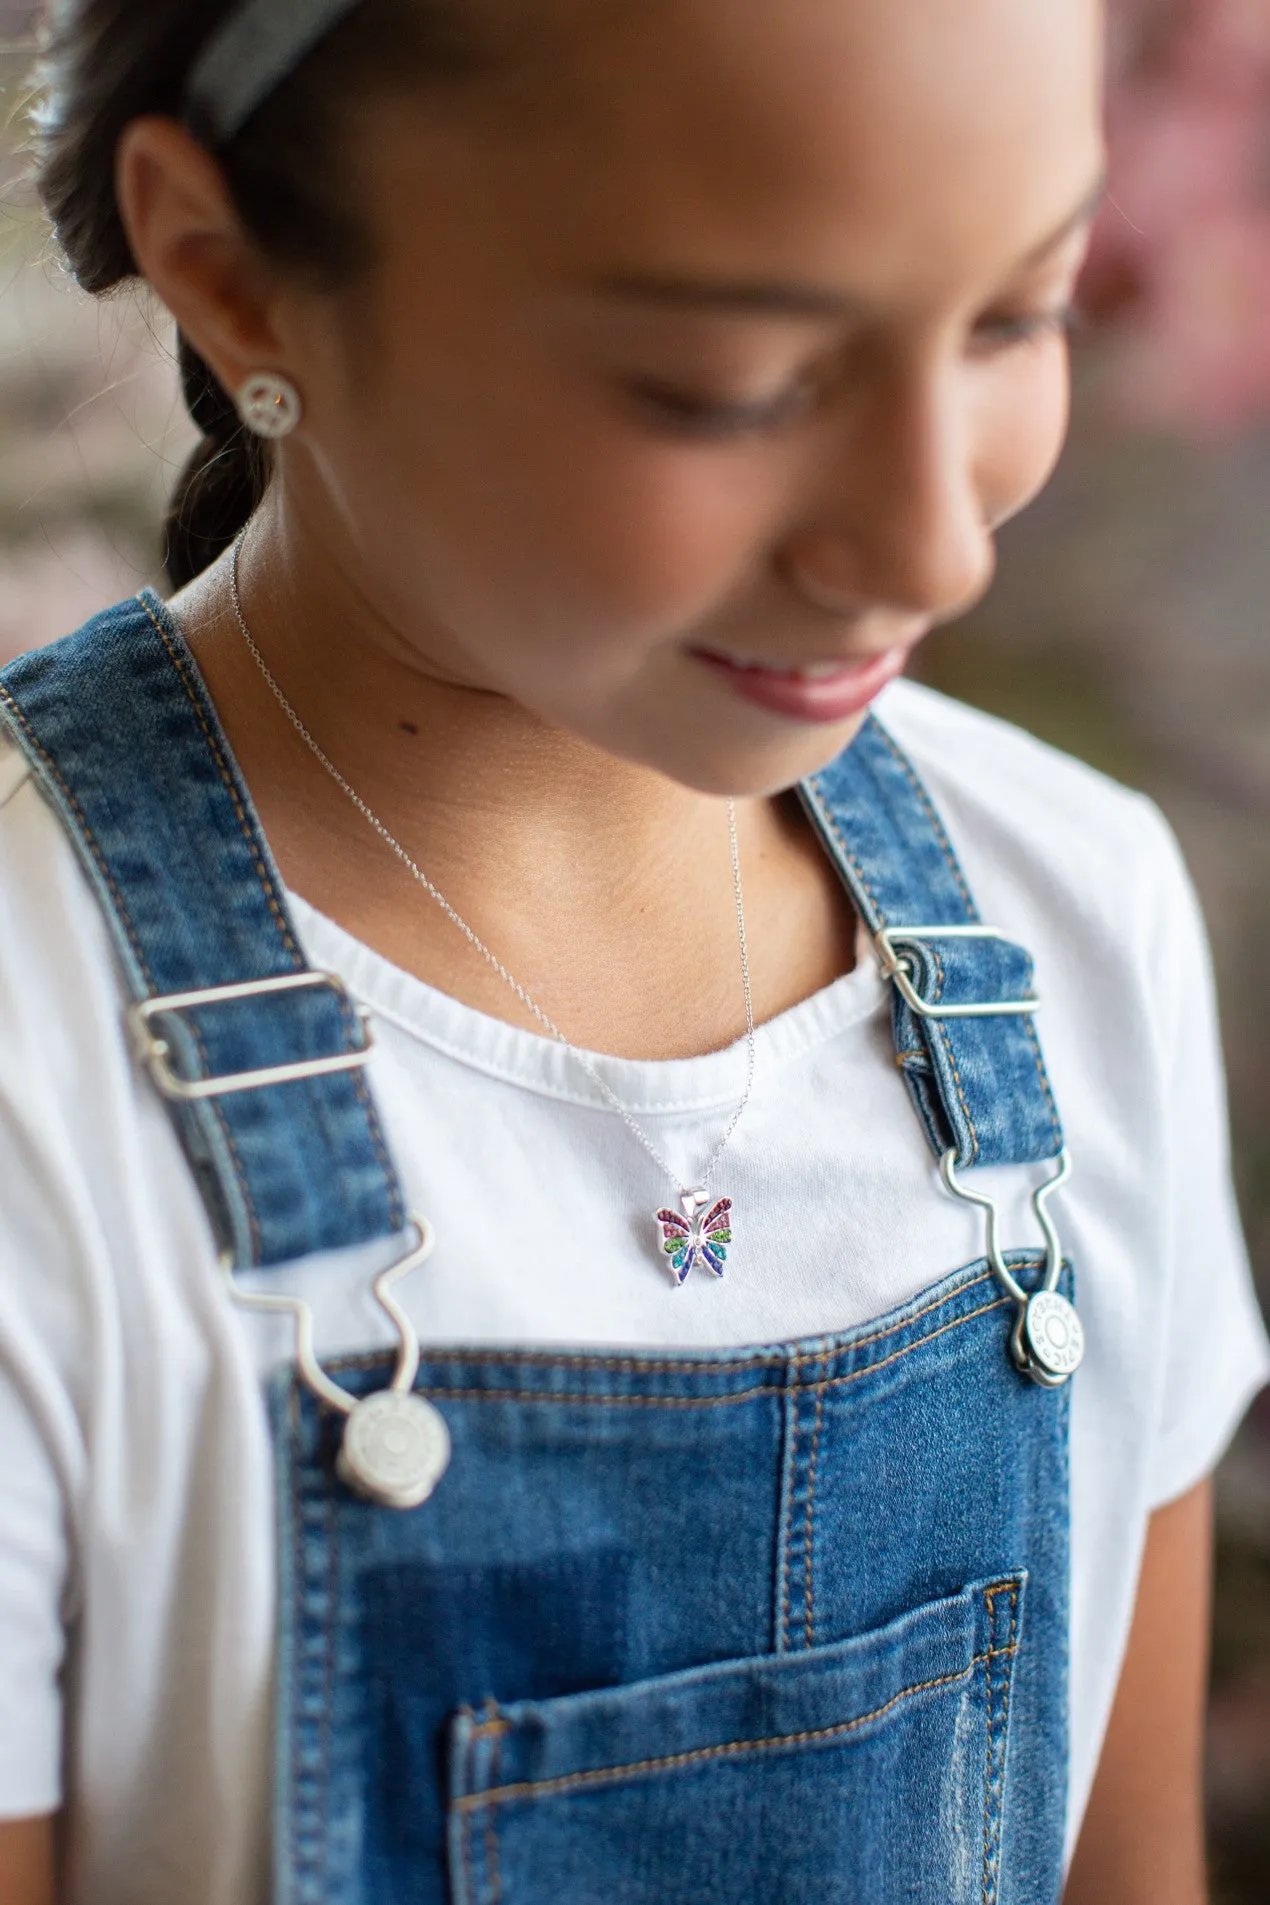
269, 405
190, 245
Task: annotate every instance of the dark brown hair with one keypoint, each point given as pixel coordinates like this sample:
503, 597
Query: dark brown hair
106, 62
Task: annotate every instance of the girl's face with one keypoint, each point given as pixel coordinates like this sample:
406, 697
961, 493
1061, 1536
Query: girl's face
713, 307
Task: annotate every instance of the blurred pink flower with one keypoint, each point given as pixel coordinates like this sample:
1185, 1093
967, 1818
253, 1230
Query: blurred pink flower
1180, 268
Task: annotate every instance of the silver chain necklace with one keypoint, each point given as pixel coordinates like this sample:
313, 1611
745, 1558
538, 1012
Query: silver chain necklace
700, 1232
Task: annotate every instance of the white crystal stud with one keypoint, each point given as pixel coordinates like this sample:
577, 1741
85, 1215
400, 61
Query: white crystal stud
269, 405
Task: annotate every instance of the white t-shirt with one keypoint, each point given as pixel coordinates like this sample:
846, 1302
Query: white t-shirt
136, 1539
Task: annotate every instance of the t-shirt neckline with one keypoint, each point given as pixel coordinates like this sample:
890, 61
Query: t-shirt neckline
536, 1063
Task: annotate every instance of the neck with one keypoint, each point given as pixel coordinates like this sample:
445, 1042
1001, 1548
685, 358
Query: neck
603, 886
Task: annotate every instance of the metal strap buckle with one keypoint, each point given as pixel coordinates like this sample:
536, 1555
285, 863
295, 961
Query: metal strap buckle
900, 971
155, 1052
396, 1444
1048, 1343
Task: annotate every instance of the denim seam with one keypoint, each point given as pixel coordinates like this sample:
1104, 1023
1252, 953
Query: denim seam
707, 1402
609, 1775
1029, 1027
331, 1633
493, 1877
937, 824
830, 820
809, 1522
954, 868
987, 1774
90, 840
301, 1847
222, 767
945, 1038
645, 1366
122, 914
992, 1783
961, 1096
293, 1765
86, 832
792, 1392
1007, 1693
280, 920
469, 1828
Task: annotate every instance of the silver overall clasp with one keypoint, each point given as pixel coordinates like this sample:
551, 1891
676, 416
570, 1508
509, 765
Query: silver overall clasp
396, 1443
1048, 1342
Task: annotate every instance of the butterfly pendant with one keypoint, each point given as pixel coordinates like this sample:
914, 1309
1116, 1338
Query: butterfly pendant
694, 1238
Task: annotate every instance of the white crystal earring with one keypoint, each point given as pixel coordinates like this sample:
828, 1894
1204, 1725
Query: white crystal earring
269, 405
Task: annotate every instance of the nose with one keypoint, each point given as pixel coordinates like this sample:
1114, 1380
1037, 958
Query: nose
896, 514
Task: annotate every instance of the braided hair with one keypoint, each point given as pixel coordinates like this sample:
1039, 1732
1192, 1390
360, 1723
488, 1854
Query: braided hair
104, 63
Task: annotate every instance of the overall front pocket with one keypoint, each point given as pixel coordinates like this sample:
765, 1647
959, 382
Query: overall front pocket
872, 1771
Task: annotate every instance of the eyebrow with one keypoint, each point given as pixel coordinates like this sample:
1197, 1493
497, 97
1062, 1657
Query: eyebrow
762, 297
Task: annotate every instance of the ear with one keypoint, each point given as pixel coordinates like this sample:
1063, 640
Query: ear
190, 244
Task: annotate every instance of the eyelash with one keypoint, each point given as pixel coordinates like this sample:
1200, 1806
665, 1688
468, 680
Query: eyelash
684, 415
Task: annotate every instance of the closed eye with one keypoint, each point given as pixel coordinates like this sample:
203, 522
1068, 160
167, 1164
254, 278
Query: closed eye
679, 412
683, 413
998, 334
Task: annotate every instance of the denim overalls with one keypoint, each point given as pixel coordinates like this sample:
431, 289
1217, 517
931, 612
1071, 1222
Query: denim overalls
766, 1626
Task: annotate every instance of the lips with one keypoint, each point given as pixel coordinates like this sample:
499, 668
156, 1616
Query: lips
817, 691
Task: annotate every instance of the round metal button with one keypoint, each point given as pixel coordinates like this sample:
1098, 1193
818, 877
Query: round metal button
396, 1449
1053, 1334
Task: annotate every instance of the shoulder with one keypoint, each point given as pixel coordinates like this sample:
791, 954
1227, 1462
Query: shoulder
41, 887
1027, 818
60, 993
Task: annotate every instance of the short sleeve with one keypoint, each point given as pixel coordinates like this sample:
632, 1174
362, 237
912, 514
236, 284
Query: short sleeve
33, 1589
41, 1445
1216, 1350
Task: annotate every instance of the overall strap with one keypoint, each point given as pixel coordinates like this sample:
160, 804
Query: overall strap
260, 1058
963, 1001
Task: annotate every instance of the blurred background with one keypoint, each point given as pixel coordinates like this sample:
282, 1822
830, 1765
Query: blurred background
1129, 624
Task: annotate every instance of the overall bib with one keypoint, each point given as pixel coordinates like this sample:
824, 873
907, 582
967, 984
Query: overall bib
782, 1624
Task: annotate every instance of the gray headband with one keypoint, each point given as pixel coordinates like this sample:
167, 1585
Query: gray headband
261, 43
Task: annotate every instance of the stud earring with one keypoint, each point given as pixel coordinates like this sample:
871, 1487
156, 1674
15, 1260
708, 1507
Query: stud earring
269, 405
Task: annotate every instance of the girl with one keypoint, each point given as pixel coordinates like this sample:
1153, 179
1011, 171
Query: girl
800, 1490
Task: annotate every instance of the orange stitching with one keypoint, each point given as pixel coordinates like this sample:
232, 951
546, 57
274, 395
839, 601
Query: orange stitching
830, 819
248, 832
332, 1585
937, 824
1029, 1025
961, 1096
608, 1775
653, 1366
396, 1203
942, 1030
838, 1382
692, 1402
991, 1852
378, 1144
90, 838
990, 1599
972, 913
791, 1394
493, 1877
808, 1526
954, 868
130, 933
294, 1424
